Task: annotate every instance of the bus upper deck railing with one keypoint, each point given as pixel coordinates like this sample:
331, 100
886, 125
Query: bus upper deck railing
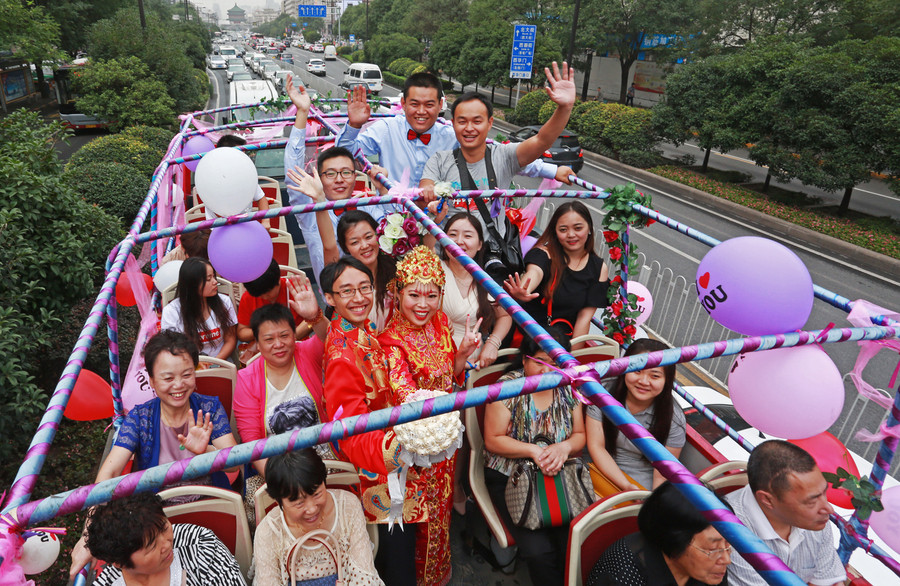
164, 226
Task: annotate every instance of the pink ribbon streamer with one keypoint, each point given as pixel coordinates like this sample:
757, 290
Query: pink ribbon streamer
136, 387
11, 542
883, 432
861, 316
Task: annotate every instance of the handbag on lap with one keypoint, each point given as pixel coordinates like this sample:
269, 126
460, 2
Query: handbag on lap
536, 501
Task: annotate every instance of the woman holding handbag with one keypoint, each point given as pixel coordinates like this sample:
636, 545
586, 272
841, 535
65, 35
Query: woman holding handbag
511, 428
316, 536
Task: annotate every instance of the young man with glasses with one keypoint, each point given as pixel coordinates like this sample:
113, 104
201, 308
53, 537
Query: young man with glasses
357, 383
786, 506
333, 179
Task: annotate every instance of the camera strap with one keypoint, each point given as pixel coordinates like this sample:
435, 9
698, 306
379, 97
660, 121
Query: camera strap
468, 184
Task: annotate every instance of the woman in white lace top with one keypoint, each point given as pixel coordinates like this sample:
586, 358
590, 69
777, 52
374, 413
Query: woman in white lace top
296, 480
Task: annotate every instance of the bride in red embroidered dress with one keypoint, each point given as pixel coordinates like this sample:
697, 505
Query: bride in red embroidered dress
422, 355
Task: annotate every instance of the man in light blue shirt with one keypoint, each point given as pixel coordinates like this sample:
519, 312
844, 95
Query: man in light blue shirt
335, 188
407, 142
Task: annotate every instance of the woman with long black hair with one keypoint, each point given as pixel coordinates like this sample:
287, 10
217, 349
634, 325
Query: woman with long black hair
199, 311
564, 281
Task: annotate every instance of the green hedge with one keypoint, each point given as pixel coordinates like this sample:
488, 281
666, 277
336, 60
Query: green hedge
393, 79
158, 138
345, 50
402, 66
528, 108
842, 228
118, 148
119, 189
357, 56
612, 130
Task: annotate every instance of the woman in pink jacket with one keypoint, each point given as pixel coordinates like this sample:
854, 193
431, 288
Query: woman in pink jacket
282, 389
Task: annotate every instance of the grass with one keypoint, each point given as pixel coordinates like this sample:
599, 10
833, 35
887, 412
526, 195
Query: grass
72, 462
880, 235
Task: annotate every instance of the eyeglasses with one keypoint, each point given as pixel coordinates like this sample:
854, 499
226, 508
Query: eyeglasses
715, 554
345, 173
350, 293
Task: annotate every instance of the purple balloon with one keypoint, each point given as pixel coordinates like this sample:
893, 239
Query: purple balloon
755, 286
791, 393
527, 243
240, 252
195, 146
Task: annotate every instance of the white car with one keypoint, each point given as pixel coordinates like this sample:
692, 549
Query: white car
280, 79
216, 62
316, 67
235, 66
318, 48
267, 71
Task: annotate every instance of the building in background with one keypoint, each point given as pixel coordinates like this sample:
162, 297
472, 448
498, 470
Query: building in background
237, 15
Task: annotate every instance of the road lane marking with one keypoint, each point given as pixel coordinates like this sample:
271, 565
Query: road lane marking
749, 226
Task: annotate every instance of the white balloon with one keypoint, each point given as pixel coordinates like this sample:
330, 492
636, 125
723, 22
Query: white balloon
226, 180
167, 274
39, 552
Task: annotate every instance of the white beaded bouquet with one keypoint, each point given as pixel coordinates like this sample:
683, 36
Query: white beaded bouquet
430, 440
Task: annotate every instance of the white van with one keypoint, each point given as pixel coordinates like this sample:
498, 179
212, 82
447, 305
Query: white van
330, 53
367, 73
251, 91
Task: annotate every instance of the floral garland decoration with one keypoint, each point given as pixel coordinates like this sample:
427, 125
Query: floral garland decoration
618, 319
398, 233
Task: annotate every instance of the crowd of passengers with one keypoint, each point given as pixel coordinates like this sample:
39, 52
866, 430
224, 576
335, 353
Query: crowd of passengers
392, 326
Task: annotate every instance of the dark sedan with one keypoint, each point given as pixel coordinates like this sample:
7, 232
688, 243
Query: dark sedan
566, 150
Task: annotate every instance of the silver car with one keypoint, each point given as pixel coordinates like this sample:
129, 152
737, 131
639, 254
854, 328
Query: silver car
215, 62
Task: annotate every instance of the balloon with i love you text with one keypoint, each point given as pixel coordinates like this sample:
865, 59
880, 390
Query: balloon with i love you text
755, 286
39, 552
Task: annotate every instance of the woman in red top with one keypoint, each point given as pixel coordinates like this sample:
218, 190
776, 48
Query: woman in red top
422, 355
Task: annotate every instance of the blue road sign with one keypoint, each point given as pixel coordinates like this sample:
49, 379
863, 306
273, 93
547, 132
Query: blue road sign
312, 10
522, 60
352, 38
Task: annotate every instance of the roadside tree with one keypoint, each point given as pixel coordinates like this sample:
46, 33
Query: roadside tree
123, 92
697, 107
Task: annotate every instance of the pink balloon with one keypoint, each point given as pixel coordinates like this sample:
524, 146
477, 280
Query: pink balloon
755, 286
791, 393
644, 301
240, 252
195, 146
886, 523
527, 243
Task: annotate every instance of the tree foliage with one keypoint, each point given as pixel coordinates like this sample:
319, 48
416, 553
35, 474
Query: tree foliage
53, 246
123, 92
162, 48
29, 31
826, 116
383, 49
697, 107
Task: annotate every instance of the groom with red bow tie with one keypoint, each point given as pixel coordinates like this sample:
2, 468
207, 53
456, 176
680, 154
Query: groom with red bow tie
408, 141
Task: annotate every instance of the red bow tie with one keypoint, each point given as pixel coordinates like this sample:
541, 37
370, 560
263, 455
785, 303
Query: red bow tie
413, 135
